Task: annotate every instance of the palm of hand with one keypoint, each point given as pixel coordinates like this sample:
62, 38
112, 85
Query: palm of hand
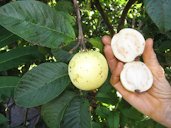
156, 102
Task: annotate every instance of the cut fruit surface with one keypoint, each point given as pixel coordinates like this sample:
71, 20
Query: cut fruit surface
136, 77
127, 44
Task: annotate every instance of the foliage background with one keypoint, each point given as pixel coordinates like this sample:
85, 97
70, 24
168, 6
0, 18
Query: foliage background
35, 42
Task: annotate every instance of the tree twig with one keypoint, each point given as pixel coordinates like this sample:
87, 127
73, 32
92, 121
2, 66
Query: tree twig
25, 118
97, 4
80, 30
124, 14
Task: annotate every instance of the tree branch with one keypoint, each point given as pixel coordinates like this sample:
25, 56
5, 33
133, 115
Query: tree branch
80, 36
96, 3
124, 14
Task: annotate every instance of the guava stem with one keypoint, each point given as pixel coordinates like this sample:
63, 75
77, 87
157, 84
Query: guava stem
80, 29
74, 48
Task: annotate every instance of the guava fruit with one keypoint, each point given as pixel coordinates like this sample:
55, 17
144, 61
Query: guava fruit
136, 77
88, 70
127, 44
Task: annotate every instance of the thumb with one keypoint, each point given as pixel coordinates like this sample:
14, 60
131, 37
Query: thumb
150, 59
149, 55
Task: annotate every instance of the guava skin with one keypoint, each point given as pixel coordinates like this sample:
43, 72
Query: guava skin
88, 70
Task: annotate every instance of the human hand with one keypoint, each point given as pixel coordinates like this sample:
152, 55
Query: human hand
156, 102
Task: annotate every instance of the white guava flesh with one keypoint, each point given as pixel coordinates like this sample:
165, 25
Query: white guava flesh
136, 77
88, 70
127, 44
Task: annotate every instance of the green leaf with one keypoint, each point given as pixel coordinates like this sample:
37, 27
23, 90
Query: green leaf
159, 125
113, 120
42, 84
53, 111
3, 119
165, 45
96, 125
77, 114
107, 94
169, 34
168, 57
132, 113
65, 6
18, 56
37, 23
7, 85
62, 55
97, 43
159, 12
6, 37
147, 123
122, 104
102, 111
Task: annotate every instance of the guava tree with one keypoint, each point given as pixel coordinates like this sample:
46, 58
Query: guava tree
38, 40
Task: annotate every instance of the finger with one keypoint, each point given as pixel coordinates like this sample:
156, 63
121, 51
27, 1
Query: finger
140, 101
149, 55
150, 59
127, 95
106, 40
111, 59
133, 98
116, 73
